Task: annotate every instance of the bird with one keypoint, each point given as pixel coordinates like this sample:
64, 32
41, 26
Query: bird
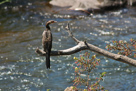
47, 42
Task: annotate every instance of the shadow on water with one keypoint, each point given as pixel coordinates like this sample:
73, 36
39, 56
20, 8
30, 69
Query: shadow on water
21, 26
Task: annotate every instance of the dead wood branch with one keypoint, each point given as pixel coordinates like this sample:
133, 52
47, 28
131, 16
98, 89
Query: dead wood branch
70, 34
86, 46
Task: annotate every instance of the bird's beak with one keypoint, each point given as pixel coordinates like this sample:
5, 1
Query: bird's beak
54, 21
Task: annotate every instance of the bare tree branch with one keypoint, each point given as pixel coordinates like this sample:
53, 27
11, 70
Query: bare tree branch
70, 33
86, 46
80, 46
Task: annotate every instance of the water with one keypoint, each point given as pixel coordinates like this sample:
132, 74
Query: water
21, 27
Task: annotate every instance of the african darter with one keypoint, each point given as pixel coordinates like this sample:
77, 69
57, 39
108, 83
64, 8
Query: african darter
47, 42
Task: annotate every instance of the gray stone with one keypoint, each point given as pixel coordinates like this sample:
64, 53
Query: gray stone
90, 4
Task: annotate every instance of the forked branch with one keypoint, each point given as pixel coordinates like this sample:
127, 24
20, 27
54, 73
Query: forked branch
81, 45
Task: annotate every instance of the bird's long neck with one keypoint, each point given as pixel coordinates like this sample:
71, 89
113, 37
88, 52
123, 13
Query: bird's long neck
47, 26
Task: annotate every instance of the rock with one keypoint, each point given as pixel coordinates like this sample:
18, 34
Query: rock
70, 89
90, 4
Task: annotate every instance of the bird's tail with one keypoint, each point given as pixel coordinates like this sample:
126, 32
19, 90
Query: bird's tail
48, 60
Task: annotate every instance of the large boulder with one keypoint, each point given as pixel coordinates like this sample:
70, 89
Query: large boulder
90, 4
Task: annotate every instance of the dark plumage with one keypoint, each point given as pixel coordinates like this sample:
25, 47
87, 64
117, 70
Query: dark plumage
47, 42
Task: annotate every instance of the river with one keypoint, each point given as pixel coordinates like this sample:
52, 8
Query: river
21, 27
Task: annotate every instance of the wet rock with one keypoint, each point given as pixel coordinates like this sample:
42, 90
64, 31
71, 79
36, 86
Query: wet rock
90, 4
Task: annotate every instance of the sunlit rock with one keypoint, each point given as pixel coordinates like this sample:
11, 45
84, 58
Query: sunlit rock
90, 4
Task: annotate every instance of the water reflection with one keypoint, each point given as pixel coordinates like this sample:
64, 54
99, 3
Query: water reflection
20, 34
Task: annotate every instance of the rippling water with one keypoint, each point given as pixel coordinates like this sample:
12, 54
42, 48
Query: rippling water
22, 69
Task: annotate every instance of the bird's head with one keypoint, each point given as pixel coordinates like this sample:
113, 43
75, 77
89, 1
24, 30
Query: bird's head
50, 22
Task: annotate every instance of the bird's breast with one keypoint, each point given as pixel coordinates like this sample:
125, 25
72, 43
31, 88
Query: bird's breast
47, 36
